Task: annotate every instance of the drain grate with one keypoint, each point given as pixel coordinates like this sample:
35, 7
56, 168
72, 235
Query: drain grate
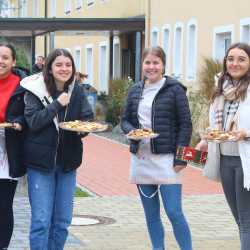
91, 220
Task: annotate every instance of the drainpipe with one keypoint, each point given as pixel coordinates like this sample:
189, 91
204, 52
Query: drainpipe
148, 24
45, 36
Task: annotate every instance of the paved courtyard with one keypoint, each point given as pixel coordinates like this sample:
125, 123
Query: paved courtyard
123, 226
211, 224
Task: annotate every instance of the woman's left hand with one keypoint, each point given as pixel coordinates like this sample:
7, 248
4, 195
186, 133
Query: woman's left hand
178, 168
17, 126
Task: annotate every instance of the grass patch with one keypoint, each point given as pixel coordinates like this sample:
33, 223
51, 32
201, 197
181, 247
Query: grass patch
80, 193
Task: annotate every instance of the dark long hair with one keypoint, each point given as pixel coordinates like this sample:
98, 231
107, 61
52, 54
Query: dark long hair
11, 47
241, 91
48, 77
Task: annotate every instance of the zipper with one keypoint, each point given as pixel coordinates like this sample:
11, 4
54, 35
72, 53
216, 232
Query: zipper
58, 138
140, 96
153, 117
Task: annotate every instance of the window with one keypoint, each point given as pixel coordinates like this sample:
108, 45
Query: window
5, 10
23, 8
245, 30
103, 67
166, 44
178, 50
89, 63
223, 38
191, 50
36, 8
90, 3
52, 8
79, 4
78, 59
67, 6
116, 58
155, 36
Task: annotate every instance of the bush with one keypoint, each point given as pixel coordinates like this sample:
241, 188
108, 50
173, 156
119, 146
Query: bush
21, 59
199, 100
209, 69
115, 99
199, 106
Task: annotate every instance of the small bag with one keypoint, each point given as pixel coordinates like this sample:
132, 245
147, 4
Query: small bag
211, 169
192, 155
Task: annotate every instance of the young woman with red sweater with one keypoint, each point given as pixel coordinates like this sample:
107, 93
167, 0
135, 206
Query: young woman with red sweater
11, 139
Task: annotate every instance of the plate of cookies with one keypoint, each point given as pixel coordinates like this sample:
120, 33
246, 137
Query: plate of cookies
141, 133
83, 126
217, 135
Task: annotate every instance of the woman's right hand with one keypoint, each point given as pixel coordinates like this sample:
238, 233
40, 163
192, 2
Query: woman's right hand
64, 99
202, 145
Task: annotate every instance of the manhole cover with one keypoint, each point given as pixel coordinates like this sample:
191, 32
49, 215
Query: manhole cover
89, 220
78, 221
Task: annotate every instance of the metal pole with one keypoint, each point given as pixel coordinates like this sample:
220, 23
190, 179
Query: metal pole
45, 36
138, 56
33, 49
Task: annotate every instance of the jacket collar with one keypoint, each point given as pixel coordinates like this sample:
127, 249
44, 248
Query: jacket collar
169, 82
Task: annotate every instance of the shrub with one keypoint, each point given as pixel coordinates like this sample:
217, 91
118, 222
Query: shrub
199, 112
118, 89
21, 58
199, 99
209, 69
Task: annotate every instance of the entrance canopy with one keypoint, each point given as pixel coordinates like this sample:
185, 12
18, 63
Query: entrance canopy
28, 27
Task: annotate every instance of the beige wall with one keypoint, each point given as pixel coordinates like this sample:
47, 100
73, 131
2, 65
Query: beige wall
208, 15
108, 8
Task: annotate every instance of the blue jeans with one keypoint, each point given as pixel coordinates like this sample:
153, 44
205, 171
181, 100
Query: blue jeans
51, 199
171, 198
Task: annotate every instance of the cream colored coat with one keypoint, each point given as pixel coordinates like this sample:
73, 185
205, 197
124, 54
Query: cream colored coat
243, 123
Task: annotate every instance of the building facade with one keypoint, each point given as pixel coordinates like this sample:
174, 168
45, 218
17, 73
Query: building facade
187, 30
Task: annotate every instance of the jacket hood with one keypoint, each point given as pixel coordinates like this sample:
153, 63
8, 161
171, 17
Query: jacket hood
21, 72
35, 84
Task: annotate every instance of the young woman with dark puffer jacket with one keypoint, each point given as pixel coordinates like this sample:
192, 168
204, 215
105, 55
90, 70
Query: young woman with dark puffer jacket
159, 103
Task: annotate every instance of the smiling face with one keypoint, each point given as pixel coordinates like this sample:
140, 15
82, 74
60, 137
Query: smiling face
237, 63
6, 61
152, 68
62, 69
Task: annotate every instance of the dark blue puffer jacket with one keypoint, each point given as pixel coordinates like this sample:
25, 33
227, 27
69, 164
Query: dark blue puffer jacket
171, 117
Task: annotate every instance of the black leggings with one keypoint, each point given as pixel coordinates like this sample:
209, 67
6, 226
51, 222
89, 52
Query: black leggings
237, 197
7, 191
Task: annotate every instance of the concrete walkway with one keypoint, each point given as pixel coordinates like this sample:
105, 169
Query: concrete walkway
117, 205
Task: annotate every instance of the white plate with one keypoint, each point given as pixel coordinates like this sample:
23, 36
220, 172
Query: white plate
151, 136
63, 125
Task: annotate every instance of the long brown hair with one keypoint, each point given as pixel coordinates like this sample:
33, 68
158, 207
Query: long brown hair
241, 91
48, 77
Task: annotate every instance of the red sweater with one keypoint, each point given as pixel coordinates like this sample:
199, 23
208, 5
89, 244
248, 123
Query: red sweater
7, 87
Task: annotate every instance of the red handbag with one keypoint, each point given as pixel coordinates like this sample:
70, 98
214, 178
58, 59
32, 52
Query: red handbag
191, 155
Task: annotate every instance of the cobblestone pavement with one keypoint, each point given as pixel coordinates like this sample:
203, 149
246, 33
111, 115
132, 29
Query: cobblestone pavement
211, 223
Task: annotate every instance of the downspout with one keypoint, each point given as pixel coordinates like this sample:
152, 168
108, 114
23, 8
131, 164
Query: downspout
45, 36
148, 24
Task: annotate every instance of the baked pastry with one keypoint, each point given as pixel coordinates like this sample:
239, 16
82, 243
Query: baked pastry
82, 126
137, 134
